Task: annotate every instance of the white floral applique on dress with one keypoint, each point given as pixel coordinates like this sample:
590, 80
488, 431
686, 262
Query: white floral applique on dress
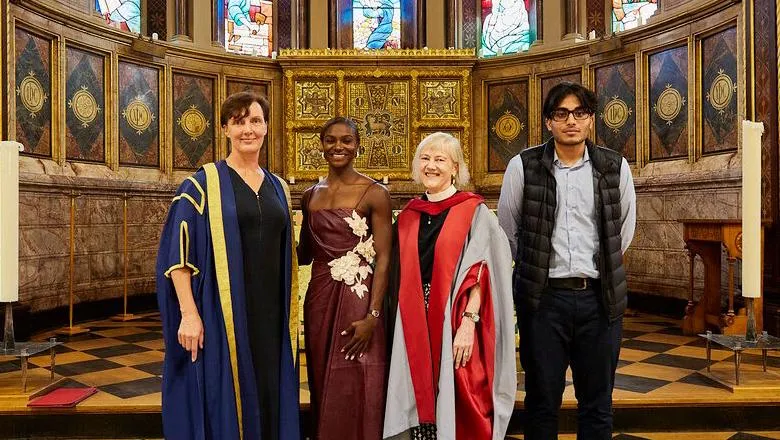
350, 268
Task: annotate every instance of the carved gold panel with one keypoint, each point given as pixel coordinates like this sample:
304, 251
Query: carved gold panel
381, 110
315, 100
393, 109
309, 157
439, 99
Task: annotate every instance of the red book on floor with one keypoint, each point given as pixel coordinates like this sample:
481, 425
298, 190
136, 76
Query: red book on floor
62, 397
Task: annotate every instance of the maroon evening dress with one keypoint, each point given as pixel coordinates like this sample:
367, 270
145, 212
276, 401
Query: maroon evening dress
347, 396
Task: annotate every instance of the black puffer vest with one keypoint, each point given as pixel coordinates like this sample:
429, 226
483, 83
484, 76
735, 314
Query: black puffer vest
534, 244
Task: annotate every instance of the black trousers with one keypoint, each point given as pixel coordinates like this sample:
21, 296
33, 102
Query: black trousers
569, 328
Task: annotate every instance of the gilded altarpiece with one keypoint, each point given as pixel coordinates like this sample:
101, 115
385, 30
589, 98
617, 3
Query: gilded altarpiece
393, 110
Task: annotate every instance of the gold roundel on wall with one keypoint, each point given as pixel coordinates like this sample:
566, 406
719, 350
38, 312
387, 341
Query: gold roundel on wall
669, 104
508, 127
721, 91
84, 106
31, 93
193, 122
138, 115
616, 113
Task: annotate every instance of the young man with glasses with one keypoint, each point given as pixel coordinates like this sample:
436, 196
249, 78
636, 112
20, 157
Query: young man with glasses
569, 209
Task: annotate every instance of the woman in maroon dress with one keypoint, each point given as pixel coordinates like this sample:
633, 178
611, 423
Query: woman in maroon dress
346, 236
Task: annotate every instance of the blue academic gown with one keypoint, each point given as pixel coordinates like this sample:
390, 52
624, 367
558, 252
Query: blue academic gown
199, 400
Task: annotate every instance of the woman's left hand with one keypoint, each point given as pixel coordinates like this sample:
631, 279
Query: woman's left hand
361, 337
463, 343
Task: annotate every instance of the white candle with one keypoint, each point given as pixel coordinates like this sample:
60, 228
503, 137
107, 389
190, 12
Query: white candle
292, 180
751, 208
592, 34
155, 37
384, 180
9, 221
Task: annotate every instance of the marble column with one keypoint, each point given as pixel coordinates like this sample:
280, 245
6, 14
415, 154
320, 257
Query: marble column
571, 16
183, 20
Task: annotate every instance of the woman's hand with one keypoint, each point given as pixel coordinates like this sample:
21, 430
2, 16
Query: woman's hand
191, 333
361, 337
463, 343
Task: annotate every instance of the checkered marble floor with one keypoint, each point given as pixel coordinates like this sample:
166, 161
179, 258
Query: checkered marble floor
658, 365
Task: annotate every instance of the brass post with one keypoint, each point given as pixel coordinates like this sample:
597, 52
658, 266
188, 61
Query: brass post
71, 329
124, 316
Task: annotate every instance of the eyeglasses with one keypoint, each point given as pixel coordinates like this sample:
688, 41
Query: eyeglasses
562, 114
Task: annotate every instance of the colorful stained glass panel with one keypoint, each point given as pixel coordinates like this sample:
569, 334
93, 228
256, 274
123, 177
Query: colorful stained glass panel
248, 26
124, 14
628, 14
376, 24
505, 27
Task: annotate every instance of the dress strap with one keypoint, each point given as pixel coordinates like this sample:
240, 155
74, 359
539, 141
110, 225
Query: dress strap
364, 194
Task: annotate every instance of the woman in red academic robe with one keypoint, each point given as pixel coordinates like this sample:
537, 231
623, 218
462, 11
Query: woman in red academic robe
452, 366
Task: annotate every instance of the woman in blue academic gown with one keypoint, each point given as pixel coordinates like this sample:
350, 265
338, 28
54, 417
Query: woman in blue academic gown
224, 282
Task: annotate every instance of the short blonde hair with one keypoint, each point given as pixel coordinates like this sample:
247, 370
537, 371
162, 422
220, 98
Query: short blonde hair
448, 144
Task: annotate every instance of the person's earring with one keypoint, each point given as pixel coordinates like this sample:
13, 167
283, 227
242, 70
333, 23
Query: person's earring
453, 179
322, 153
357, 153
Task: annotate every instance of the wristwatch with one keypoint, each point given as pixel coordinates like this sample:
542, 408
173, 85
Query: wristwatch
374, 313
472, 316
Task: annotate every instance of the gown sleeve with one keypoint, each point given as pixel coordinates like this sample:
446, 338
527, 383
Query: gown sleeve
184, 236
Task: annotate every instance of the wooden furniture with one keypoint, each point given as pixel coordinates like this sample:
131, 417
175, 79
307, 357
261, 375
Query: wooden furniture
705, 238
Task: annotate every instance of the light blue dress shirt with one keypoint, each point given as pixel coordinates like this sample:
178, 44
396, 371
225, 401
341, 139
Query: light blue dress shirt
575, 238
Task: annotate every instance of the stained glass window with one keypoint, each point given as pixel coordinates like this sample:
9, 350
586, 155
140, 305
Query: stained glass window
376, 24
248, 26
505, 27
124, 14
628, 14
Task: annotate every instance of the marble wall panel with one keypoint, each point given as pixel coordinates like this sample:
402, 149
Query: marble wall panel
649, 207
105, 266
193, 118
646, 262
668, 104
139, 115
507, 133
649, 235
548, 83
719, 92
45, 271
139, 264
717, 205
49, 241
85, 106
98, 238
147, 210
81, 271
616, 115
143, 237
95, 211
235, 86
33, 90
37, 209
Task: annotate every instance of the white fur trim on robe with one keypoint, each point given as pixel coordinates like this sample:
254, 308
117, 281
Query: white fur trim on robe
486, 242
